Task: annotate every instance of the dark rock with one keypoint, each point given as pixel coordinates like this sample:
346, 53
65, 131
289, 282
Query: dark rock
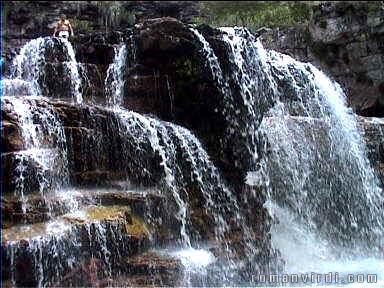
29, 20
171, 79
152, 269
92, 82
32, 210
11, 139
81, 242
373, 134
95, 53
185, 11
16, 166
163, 35
344, 39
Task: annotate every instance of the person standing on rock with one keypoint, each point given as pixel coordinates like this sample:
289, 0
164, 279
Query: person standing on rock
63, 27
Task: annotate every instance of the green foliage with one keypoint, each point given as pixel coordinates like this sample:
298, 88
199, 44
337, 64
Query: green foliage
114, 14
82, 26
255, 14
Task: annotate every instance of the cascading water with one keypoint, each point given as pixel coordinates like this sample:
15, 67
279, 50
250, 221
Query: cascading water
44, 154
165, 139
27, 64
41, 129
73, 68
114, 82
293, 132
312, 165
31, 65
44, 144
306, 151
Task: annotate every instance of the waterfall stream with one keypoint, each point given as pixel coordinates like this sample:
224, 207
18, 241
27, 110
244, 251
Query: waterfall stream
39, 56
292, 132
307, 153
321, 189
114, 82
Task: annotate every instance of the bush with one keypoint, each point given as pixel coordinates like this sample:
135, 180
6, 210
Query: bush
255, 14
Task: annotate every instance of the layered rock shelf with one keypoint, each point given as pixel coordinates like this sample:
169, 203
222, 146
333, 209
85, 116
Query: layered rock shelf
128, 154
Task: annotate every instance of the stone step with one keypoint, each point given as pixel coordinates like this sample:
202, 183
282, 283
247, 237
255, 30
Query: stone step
151, 269
39, 208
46, 253
55, 82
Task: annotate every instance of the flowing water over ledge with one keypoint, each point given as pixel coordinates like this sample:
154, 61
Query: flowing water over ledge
304, 151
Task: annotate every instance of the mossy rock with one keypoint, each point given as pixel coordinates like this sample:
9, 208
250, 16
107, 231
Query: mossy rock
137, 228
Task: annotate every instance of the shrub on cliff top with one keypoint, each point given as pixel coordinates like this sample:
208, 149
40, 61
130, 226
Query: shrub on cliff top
255, 14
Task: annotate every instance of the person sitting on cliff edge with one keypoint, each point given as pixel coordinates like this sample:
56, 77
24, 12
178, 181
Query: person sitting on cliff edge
63, 27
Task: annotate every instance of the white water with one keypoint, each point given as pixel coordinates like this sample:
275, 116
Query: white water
44, 145
114, 82
29, 66
195, 263
165, 139
311, 152
312, 155
162, 140
194, 259
73, 71
26, 65
41, 129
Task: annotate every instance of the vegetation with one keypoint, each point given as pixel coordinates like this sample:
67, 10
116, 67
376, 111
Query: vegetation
137, 228
114, 14
97, 213
255, 14
82, 26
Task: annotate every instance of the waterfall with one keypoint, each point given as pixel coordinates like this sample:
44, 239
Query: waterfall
166, 139
41, 129
305, 151
311, 156
162, 140
44, 145
114, 82
27, 64
32, 64
308, 186
74, 74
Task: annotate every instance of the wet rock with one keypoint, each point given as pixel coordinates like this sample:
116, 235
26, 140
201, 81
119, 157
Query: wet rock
11, 139
19, 164
171, 79
95, 53
93, 82
93, 236
94, 128
152, 269
373, 129
344, 39
36, 208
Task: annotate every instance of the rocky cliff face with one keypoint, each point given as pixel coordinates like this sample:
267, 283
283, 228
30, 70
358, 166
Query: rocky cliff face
346, 40
25, 20
166, 78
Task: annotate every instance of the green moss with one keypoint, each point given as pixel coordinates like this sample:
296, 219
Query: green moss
186, 67
137, 228
97, 213
82, 26
323, 24
255, 14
